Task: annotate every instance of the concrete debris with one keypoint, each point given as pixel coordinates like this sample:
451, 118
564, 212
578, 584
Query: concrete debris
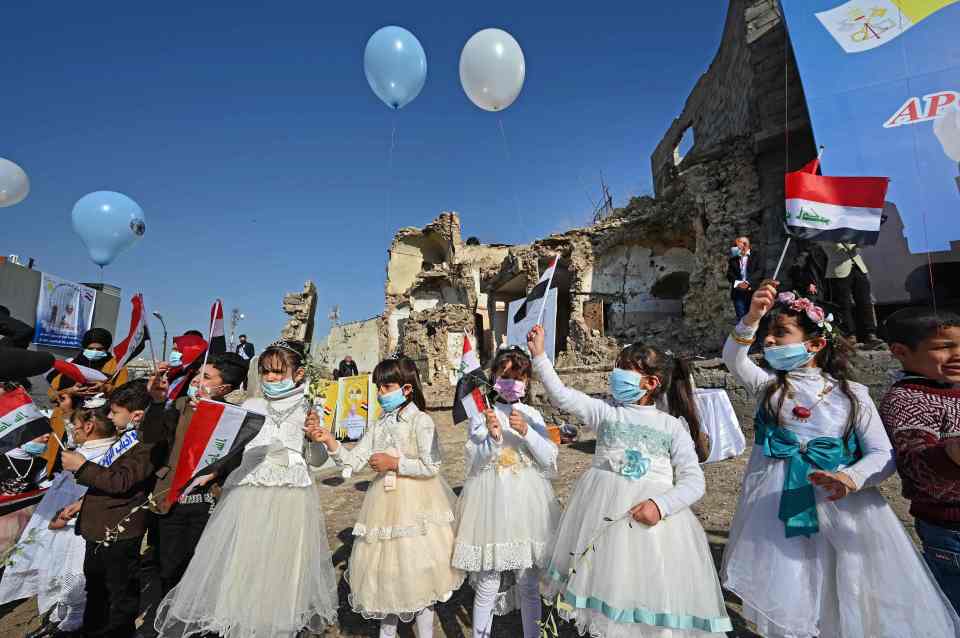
301, 306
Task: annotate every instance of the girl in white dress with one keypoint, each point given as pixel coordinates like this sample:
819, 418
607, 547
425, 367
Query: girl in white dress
833, 561
508, 513
630, 558
262, 568
403, 539
50, 565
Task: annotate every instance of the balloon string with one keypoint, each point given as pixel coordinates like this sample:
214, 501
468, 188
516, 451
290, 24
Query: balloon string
389, 216
513, 185
926, 239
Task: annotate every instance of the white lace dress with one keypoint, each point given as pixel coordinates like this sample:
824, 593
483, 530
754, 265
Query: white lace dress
49, 564
507, 513
262, 568
400, 563
617, 578
858, 574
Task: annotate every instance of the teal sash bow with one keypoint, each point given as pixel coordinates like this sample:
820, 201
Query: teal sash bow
798, 505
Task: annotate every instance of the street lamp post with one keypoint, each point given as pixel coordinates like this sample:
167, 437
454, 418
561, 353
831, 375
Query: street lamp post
162, 323
235, 317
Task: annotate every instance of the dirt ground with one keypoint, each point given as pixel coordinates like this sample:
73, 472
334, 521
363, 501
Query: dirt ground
341, 500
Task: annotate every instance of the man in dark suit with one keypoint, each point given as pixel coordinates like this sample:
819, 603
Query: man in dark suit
245, 348
348, 368
744, 273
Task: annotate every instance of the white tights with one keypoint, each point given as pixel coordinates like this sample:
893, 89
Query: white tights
424, 622
487, 585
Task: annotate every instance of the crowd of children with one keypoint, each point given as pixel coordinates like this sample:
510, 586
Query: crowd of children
813, 550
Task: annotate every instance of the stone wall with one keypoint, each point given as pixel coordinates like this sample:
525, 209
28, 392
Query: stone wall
359, 339
301, 307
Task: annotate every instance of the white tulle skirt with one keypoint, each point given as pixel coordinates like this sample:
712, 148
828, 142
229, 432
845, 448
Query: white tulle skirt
617, 578
262, 569
860, 575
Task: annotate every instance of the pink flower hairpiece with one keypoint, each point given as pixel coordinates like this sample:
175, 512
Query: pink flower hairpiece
814, 312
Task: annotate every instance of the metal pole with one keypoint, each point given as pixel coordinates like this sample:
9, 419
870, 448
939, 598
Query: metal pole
162, 323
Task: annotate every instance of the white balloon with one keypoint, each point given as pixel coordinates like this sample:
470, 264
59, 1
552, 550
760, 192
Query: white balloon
14, 183
492, 69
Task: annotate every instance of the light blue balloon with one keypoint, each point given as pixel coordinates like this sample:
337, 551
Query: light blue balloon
396, 66
108, 223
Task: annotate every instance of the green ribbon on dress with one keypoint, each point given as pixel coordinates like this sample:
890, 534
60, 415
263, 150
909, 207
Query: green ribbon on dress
798, 504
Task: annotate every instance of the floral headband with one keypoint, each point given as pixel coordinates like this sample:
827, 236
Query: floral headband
814, 312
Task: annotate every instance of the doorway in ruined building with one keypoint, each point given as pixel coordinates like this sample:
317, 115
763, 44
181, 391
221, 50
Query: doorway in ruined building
561, 281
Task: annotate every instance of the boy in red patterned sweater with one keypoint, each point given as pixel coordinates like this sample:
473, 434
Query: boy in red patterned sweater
921, 413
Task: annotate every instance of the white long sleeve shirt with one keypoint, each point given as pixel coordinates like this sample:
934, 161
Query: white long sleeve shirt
407, 433
830, 417
535, 445
621, 428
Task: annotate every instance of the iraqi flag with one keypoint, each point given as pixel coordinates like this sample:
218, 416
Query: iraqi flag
538, 295
218, 343
133, 345
191, 348
217, 433
835, 209
470, 400
20, 420
82, 375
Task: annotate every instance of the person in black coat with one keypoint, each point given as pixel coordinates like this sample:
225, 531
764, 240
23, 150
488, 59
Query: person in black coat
14, 333
245, 349
348, 368
744, 273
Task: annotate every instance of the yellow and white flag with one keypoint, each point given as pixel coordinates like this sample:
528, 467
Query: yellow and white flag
861, 25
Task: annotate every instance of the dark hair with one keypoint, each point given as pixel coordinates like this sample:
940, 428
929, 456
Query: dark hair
402, 371
101, 418
232, 368
911, 326
674, 374
833, 359
242, 337
519, 363
132, 395
282, 360
97, 335
193, 333
4, 311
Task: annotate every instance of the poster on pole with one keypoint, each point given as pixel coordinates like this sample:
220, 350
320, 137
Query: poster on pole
882, 83
517, 330
64, 312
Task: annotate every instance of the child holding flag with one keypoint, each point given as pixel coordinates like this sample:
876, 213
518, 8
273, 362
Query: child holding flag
262, 566
630, 558
400, 563
814, 549
508, 513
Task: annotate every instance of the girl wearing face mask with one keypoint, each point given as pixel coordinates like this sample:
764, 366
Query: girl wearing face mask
400, 563
630, 558
262, 566
508, 513
814, 549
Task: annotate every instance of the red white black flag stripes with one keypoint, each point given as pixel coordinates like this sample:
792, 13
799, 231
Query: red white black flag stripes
539, 292
469, 397
80, 374
218, 342
192, 349
838, 209
20, 420
133, 345
217, 433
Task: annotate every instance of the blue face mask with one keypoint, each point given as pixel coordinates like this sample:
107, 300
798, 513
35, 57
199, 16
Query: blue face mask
788, 357
625, 386
33, 448
94, 355
175, 358
735, 251
192, 391
273, 389
392, 400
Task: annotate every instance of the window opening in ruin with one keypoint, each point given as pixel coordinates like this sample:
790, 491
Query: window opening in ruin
607, 317
685, 145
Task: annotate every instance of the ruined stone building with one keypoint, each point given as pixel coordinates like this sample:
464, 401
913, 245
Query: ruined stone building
653, 270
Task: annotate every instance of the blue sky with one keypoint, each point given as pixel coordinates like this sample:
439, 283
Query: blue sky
249, 136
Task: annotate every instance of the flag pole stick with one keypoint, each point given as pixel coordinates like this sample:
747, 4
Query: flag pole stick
543, 304
213, 318
786, 245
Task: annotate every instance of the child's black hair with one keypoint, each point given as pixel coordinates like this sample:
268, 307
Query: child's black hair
402, 371
833, 359
232, 368
103, 426
911, 326
675, 382
520, 365
282, 360
132, 395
